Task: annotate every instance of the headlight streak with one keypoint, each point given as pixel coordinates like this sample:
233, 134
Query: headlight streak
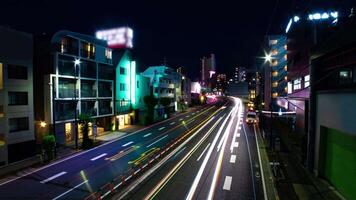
205, 161
165, 180
221, 153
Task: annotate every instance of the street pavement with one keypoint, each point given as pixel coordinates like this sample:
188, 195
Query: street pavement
220, 162
80, 175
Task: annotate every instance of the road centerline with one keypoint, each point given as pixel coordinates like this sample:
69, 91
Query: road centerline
148, 134
127, 144
157, 141
227, 183
201, 155
53, 177
99, 156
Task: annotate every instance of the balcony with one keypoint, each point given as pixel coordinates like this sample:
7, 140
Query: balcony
88, 108
105, 89
65, 110
68, 45
88, 69
105, 107
87, 89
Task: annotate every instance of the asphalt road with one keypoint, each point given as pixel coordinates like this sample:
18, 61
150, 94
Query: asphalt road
78, 176
220, 162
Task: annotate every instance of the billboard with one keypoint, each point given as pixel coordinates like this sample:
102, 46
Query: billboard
117, 37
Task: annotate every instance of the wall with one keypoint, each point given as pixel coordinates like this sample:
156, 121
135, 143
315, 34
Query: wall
336, 111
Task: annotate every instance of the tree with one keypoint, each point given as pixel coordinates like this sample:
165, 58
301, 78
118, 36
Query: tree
84, 121
48, 145
150, 102
165, 102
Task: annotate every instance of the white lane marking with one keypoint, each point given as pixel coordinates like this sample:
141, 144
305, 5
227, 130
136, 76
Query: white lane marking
238, 135
259, 158
161, 128
197, 178
69, 190
236, 144
187, 116
148, 134
99, 156
233, 159
203, 152
172, 123
180, 151
127, 144
157, 141
53, 177
227, 183
180, 119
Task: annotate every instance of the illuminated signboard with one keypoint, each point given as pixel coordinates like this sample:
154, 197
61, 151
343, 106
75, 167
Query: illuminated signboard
117, 37
315, 17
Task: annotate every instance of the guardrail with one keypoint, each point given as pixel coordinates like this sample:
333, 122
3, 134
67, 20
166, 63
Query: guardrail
111, 188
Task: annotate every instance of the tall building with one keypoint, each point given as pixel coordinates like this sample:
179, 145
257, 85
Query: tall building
208, 69
275, 70
221, 83
239, 74
74, 74
17, 138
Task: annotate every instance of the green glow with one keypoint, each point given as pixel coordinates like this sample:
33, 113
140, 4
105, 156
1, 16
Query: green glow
133, 82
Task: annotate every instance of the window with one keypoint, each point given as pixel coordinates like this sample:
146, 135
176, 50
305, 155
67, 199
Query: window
17, 72
18, 98
306, 81
273, 42
122, 70
345, 76
1, 111
122, 87
290, 88
297, 84
275, 73
138, 84
18, 124
275, 84
64, 45
274, 62
108, 53
286, 68
274, 95
285, 57
274, 52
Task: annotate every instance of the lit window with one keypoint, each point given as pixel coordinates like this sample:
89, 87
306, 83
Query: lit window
345, 76
285, 47
64, 45
274, 95
297, 84
285, 57
108, 53
275, 84
274, 62
286, 78
306, 81
286, 68
275, 73
274, 52
273, 41
290, 88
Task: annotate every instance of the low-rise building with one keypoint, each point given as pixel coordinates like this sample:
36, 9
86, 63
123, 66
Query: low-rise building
17, 138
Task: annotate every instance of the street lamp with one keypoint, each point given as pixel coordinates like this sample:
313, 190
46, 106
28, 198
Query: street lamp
76, 63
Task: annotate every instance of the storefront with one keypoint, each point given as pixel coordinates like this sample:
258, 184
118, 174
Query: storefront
124, 120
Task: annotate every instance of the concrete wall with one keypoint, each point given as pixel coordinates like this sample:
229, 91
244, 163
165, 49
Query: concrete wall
336, 111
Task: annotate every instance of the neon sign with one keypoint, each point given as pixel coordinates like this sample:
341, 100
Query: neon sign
117, 38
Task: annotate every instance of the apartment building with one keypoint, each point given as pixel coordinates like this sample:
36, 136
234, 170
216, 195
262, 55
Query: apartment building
17, 139
74, 75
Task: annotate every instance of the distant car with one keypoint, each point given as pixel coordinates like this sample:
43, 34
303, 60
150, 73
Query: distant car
251, 118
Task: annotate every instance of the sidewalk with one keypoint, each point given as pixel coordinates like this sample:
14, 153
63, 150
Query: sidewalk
293, 181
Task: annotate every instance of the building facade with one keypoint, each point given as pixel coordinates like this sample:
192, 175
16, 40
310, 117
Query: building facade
208, 69
332, 133
165, 82
17, 138
74, 76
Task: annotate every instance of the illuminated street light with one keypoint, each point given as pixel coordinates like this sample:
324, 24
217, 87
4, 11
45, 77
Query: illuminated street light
268, 57
43, 124
77, 62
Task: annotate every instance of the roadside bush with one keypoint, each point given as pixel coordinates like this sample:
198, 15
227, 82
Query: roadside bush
48, 145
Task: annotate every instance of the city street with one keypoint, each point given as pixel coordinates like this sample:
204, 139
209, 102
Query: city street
78, 176
220, 163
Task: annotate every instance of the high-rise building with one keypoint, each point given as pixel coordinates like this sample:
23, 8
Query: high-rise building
239, 74
221, 83
208, 69
17, 138
275, 71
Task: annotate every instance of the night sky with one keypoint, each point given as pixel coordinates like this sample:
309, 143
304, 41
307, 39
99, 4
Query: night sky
181, 32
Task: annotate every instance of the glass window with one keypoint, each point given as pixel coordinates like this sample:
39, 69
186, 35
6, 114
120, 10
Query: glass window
18, 98
290, 88
297, 84
122, 70
273, 41
138, 84
108, 53
345, 76
17, 72
306, 81
18, 124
